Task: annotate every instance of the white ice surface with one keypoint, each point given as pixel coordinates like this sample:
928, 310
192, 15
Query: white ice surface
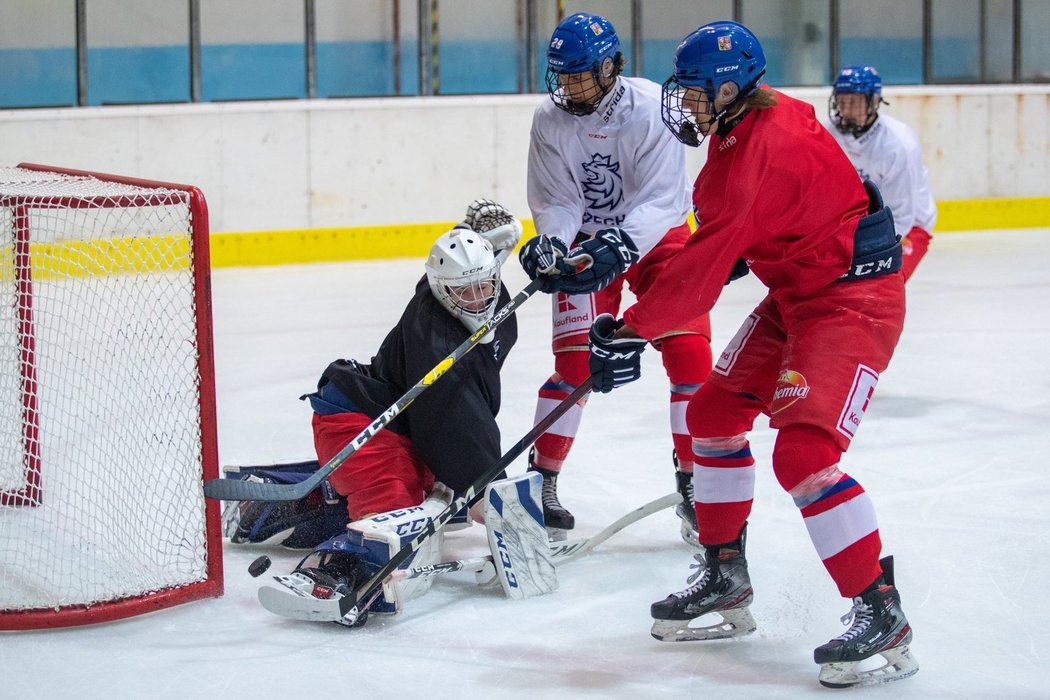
953, 452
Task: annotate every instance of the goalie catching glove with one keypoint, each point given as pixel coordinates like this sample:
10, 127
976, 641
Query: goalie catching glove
495, 223
614, 361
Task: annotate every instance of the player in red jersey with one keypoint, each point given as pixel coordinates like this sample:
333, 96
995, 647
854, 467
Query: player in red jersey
779, 194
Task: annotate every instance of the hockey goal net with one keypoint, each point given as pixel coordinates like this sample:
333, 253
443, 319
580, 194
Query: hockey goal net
107, 409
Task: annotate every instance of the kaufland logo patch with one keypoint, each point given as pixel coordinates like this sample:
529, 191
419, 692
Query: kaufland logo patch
791, 387
725, 43
596, 29
564, 305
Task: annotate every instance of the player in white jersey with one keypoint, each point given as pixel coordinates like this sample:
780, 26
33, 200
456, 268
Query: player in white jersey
608, 182
886, 151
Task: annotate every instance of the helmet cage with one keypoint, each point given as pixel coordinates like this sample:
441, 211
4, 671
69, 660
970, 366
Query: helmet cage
580, 46
856, 80
713, 55
591, 97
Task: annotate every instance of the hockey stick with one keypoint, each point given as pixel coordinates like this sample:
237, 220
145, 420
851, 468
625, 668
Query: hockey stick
346, 607
238, 490
288, 604
562, 552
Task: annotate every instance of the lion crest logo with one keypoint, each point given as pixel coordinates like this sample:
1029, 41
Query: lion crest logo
603, 187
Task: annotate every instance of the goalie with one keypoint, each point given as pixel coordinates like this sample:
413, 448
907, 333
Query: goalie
393, 485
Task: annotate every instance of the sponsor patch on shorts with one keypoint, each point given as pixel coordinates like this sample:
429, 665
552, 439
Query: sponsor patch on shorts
864, 382
728, 357
791, 388
573, 313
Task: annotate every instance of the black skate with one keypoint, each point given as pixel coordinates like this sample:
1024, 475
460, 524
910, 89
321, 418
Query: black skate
556, 517
879, 633
685, 510
335, 576
722, 587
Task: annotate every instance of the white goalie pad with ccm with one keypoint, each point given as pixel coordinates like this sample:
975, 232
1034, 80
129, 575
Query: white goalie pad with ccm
518, 538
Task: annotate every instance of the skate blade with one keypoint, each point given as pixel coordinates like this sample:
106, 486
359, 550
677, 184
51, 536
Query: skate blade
898, 663
557, 534
691, 537
735, 623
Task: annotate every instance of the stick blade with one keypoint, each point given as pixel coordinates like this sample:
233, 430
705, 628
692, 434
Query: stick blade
252, 490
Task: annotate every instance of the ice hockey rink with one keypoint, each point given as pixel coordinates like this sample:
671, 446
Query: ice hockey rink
953, 451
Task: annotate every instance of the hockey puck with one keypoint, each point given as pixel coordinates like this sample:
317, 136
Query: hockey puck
259, 566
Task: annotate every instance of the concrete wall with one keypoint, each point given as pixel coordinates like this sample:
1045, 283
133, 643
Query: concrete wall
364, 162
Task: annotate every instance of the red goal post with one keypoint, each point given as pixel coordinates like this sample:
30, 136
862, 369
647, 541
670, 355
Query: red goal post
107, 398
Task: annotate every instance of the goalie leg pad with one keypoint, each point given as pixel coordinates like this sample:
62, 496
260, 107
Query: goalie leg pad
378, 538
301, 524
518, 537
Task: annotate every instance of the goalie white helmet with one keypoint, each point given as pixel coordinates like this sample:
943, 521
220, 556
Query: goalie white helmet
464, 276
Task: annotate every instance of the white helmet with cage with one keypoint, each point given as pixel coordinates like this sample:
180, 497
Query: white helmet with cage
464, 276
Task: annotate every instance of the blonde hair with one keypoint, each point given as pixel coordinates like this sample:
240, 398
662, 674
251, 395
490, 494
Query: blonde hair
763, 98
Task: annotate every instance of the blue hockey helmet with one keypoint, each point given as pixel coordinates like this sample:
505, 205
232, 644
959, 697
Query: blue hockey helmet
581, 42
577, 52
858, 79
715, 54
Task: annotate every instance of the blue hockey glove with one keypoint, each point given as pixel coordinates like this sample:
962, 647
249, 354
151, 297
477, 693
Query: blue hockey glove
540, 258
614, 361
606, 256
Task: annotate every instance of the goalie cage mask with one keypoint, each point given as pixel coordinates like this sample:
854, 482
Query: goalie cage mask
464, 276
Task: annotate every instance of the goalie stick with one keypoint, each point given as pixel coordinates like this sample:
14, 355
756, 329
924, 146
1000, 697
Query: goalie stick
347, 605
284, 602
238, 490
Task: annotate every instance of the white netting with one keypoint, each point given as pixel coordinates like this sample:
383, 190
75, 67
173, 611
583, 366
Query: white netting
97, 305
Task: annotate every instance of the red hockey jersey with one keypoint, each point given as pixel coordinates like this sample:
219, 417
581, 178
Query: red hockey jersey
777, 191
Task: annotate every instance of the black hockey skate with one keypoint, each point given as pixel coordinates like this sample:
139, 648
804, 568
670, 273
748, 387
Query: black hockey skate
722, 586
685, 510
336, 575
556, 517
879, 632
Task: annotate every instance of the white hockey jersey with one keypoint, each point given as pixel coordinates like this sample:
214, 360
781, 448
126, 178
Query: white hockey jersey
618, 167
888, 154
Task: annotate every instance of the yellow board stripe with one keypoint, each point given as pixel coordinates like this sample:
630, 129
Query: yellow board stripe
328, 244
148, 253
982, 214
414, 240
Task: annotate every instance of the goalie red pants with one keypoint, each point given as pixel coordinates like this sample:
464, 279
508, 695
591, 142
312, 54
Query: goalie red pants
384, 474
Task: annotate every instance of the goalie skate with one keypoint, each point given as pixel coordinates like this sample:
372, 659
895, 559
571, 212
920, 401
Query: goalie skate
333, 578
715, 606
875, 649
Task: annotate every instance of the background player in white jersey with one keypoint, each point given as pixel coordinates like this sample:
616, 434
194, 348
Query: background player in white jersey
885, 151
606, 180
